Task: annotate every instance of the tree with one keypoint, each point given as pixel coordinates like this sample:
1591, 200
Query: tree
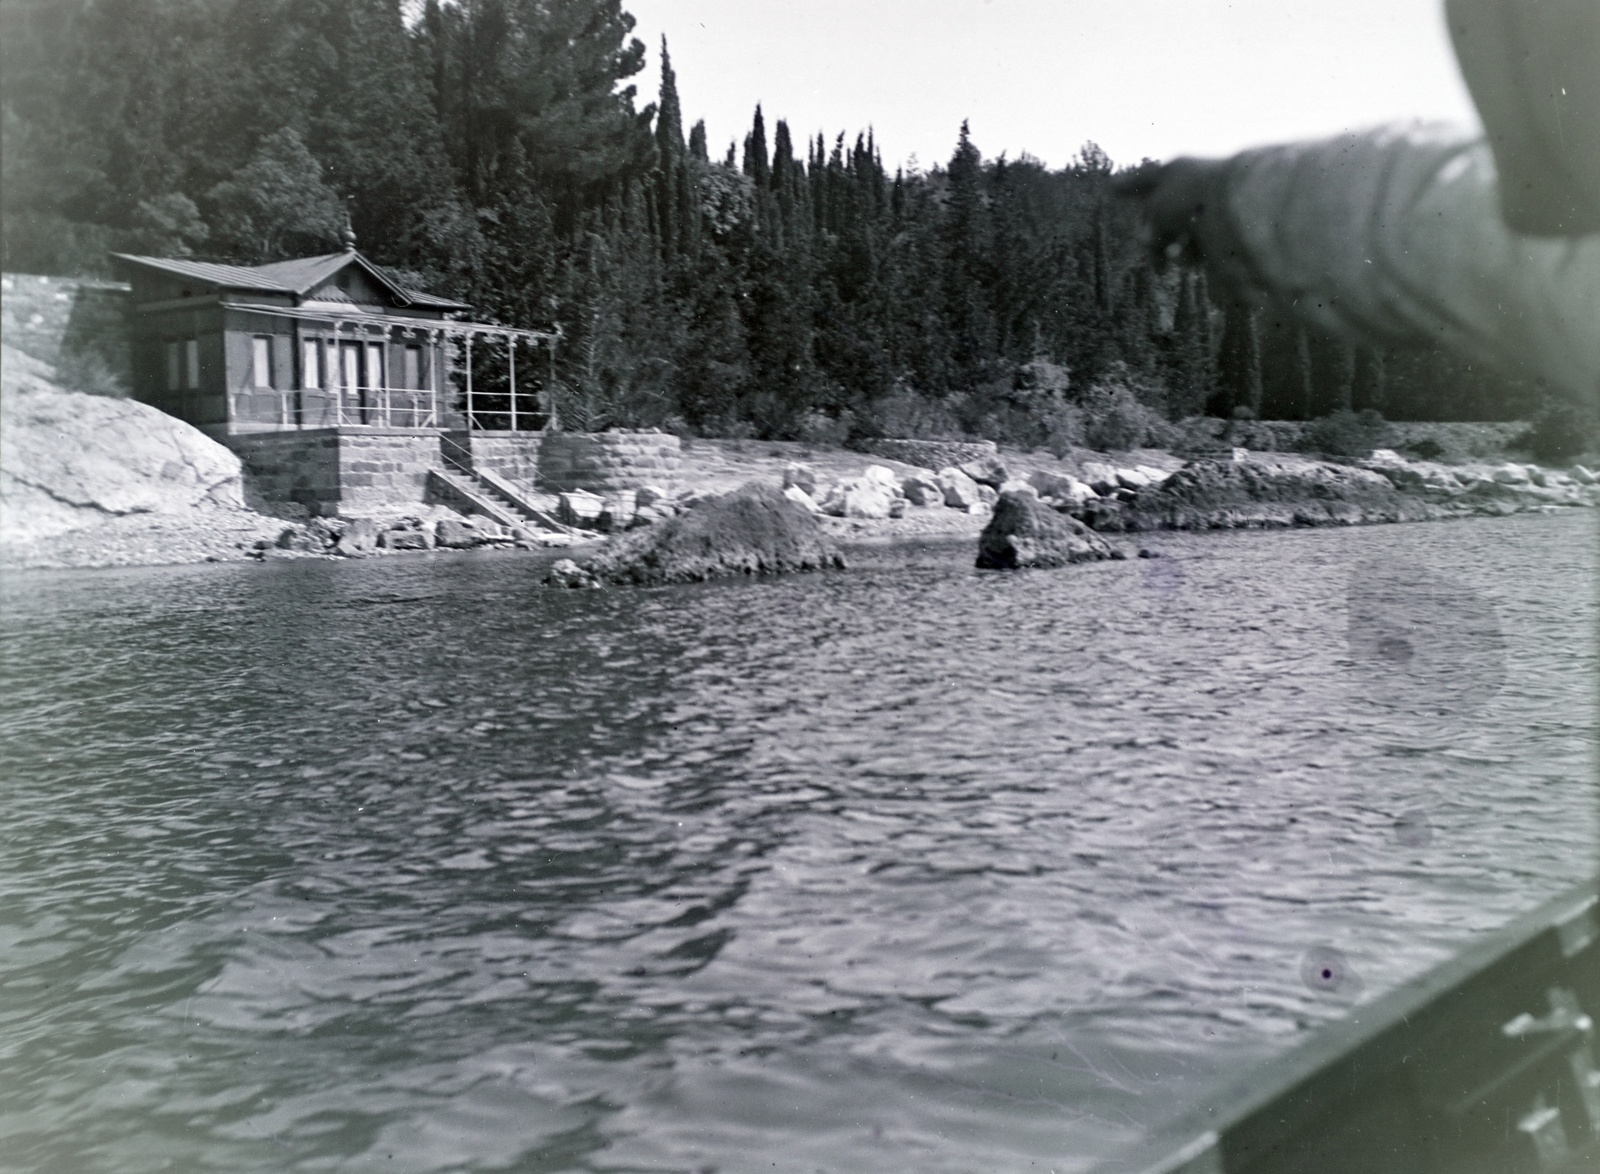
1238, 364
277, 204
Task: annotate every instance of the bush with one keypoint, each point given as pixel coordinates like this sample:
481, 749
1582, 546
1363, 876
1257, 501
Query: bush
1346, 434
89, 372
818, 428
1117, 416
1561, 432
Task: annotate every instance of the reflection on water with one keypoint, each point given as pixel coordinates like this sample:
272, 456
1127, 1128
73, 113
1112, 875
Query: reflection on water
411, 865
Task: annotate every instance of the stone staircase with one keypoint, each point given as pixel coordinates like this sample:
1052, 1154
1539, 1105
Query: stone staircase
484, 492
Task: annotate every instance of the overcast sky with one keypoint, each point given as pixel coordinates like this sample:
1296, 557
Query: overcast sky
1152, 78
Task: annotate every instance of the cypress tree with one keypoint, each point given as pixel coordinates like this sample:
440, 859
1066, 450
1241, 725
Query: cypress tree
669, 120
1303, 387
1239, 363
697, 141
1342, 376
1368, 380
756, 162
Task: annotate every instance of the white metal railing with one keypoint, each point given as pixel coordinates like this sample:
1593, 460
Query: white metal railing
274, 409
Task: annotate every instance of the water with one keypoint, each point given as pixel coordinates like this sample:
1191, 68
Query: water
408, 865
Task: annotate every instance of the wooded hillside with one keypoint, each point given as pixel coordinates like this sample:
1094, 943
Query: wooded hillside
793, 287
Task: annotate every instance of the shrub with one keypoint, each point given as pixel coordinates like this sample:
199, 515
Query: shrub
1117, 416
1346, 434
817, 427
88, 371
1561, 432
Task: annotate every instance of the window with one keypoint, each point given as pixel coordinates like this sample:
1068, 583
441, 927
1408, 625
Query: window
311, 362
375, 364
413, 368
261, 361
191, 364
174, 365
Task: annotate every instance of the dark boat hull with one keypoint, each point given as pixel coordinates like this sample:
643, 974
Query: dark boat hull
1484, 1065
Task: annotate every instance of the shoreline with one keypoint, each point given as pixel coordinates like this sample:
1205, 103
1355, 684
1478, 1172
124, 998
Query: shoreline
1428, 491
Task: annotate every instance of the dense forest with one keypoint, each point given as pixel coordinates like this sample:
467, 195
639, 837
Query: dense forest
786, 287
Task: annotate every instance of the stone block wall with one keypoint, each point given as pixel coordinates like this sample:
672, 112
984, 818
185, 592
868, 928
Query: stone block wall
933, 454
512, 455
382, 467
290, 468
77, 324
330, 471
603, 462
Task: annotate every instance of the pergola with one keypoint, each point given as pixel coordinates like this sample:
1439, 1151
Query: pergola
362, 326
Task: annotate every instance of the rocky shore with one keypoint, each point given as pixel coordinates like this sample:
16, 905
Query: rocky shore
91, 481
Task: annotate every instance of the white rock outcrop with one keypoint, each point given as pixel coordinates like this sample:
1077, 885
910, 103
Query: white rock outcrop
70, 460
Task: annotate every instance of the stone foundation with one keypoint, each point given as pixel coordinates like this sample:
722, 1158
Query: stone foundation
512, 455
331, 471
604, 462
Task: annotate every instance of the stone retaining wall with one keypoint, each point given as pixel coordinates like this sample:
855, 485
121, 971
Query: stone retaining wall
512, 455
603, 462
331, 471
933, 454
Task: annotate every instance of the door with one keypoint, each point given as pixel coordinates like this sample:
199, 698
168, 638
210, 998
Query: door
350, 385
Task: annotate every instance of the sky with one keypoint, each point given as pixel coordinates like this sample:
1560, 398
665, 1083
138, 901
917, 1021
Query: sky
1142, 78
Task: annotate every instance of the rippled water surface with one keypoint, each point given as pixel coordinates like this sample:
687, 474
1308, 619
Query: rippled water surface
409, 865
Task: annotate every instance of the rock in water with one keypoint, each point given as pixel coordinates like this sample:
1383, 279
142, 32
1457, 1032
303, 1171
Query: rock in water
1261, 492
755, 530
1026, 533
566, 573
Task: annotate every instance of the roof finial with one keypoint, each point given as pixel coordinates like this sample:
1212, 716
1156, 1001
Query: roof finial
347, 235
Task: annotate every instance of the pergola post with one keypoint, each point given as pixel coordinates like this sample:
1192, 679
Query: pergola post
469, 381
337, 376
511, 356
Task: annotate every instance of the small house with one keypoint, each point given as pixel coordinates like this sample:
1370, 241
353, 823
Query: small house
314, 342
339, 386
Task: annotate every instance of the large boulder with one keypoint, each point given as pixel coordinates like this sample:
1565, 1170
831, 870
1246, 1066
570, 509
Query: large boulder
1026, 533
580, 508
802, 499
960, 491
1262, 492
922, 488
755, 530
987, 470
359, 538
803, 477
618, 512
457, 534
70, 460
1065, 490
868, 499
1100, 477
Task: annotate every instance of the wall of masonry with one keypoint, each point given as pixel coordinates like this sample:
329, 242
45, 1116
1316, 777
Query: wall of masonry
603, 462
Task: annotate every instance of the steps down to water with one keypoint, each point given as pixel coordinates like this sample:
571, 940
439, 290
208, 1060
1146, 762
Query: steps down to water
481, 491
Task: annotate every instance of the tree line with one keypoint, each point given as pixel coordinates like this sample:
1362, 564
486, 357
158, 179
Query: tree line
788, 287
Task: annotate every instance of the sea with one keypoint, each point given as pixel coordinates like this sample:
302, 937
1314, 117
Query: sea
411, 864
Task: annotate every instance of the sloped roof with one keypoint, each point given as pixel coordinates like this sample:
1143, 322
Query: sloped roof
230, 276
298, 276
